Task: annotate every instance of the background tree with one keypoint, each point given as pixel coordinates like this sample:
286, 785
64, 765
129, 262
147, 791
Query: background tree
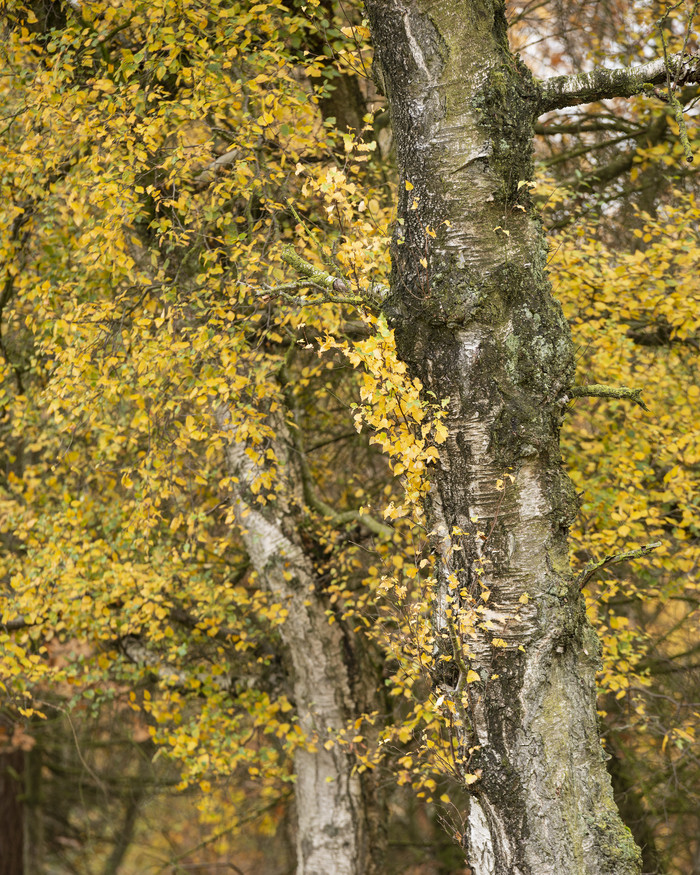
156, 85
636, 211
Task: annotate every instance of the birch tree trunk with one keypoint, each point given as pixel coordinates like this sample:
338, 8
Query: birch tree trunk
340, 828
475, 320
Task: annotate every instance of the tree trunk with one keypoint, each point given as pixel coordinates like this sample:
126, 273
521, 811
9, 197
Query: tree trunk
339, 827
11, 812
475, 321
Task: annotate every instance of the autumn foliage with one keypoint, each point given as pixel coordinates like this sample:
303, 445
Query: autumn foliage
157, 158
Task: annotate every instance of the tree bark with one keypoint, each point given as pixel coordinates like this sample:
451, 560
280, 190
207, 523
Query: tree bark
339, 827
475, 320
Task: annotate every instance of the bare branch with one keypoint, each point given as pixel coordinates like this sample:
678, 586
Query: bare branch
590, 571
597, 390
137, 651
603, 83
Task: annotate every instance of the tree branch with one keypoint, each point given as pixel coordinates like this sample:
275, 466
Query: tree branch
597, 390
313, 500
15, 625
203, 179
593, 567
371, 297
285, 290
603, 83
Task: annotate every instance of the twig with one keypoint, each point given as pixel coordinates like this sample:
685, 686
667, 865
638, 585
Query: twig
330, 283
672, 86
614, 559
310, 496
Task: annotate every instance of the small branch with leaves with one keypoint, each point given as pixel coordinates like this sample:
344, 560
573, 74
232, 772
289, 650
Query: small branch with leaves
332, 287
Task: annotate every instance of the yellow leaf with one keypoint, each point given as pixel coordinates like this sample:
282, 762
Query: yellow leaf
440, 433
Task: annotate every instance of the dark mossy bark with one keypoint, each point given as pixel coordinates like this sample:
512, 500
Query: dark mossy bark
475, 320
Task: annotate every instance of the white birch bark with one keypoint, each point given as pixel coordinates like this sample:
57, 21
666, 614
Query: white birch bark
331, 821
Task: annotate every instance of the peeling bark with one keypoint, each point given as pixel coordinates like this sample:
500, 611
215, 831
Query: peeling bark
475, 320
337, 827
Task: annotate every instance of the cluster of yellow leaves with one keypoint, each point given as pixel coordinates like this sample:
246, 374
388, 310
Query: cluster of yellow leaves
636, 323
155, 147
185, 151
406, 430
635, 314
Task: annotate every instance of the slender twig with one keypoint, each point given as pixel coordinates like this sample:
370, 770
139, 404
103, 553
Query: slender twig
671, 87
314, 501
593, 567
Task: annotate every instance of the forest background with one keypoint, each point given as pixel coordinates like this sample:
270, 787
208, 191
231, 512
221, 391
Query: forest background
158, 161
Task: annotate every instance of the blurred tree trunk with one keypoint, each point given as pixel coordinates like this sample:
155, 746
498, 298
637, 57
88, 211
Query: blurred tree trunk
476, 322
11, 813
634, 812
